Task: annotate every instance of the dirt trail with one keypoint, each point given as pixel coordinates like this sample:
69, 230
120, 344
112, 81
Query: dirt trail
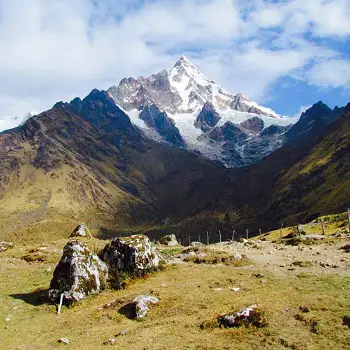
321, 258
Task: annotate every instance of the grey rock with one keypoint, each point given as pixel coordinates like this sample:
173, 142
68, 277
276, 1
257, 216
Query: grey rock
169, 240
134, 255
78, 274
141, 305
63, 341
237, 319
81, 231
5, 246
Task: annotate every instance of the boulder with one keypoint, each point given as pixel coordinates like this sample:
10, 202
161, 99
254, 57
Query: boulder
78, 274
247, 316
81, 231
169, 240
5, 246
133, 255
141, 303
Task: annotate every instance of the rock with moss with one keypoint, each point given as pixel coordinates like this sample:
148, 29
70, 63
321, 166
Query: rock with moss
245, 317
5, 246
81, 231
129, 256
78, 274
141, 305
169, 240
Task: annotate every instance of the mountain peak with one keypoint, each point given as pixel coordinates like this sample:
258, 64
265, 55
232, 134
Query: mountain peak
183, 61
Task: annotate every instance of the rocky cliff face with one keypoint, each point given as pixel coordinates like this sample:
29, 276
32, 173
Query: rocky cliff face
195, 111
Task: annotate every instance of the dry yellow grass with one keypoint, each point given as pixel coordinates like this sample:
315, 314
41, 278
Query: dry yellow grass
189, 298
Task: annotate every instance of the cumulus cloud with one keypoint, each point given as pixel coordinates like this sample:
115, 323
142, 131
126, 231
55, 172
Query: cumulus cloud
56, 50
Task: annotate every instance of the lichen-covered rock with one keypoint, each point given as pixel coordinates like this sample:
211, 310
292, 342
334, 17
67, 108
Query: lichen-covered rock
133, 255
78, 274
247, 316
81, 231
5, 246
141, 305
169, 240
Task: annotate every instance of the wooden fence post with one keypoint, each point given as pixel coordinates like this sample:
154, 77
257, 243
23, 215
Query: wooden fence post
207, 237
281, 232
260, 234
199, 238
322, 224
219, 236
189, 240
233, 234
246, 234
60, 305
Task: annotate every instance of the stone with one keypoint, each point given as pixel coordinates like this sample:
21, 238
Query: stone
169, 240
110, 341
243, 240
327, 264
237, 256
81, 231
244, 317
197, 244
5, 246
78, 273
315, 237
235, 289
124, 331
134, 254
141, 304
63, 341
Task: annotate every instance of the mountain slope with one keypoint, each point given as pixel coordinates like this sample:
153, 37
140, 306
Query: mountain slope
84, 160
305, 178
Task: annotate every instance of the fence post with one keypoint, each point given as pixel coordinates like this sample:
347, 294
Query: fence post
246, 234
199, 238
322, 224
349, 218
189, 240
233, 234
219, 236
207, 237
260, 234
60, 305
281, 231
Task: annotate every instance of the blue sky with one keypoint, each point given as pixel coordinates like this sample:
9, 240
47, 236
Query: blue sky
285, 55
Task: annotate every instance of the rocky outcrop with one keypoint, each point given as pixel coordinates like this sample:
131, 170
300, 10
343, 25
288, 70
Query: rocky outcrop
81, 231
164, 125
229, 132
254, 125
133, 255
207, 118
78, 274
169, 240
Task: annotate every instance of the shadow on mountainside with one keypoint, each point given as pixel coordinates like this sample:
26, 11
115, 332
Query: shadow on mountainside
36, 298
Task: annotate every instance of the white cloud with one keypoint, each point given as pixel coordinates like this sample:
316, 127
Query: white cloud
331, 73
56, 50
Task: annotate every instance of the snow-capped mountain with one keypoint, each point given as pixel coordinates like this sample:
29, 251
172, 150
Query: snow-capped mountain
185, 108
